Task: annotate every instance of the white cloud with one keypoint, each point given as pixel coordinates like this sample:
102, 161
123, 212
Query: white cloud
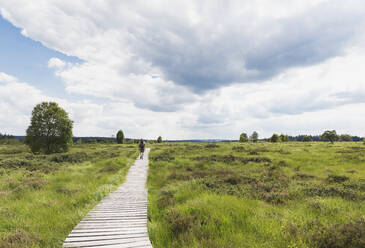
17, 100
199, 69
56, 63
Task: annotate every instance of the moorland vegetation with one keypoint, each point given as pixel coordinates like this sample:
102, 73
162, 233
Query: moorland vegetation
43, 196
284, 194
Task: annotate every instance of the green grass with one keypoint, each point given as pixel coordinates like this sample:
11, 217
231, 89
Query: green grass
42, 197
257, 195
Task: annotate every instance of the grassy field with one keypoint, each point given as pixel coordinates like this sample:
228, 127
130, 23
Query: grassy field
257, 195
42, 197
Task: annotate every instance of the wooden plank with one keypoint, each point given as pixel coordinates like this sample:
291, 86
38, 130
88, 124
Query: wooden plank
120, 219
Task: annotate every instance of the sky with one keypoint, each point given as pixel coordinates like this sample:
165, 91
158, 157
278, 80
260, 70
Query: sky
185, 69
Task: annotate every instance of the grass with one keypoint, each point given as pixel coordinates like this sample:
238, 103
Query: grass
42, 197
257, 195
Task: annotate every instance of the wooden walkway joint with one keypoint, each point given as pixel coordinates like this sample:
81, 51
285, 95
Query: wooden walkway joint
120, 219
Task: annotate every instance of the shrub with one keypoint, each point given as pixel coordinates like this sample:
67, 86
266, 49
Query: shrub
163, 156
212, 146
323, 190
336, 179
50, 129
302, 175
15, 163
110, 168
77, 157
165, 198
239, 149
349, 235
19, 238
178, 222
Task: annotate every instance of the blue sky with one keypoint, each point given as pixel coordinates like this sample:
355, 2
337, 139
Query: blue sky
185, 69
28, 60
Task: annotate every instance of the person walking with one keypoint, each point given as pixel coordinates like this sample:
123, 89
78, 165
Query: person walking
141, 147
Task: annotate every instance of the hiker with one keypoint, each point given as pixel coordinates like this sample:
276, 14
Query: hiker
141, 146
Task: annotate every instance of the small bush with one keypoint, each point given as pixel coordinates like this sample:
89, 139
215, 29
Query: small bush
231, 158
164, 156
239, 149
70, 157
323, 190
14, 163
165, 198
212, 146
302, 175
178, 222
336, 179
282, 163
66, 191
19, 238
110, 168
349, 235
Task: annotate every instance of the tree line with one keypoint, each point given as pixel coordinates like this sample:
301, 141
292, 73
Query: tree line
6, 136
328, 135
50, 131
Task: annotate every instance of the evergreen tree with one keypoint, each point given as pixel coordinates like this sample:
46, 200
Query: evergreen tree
120, 137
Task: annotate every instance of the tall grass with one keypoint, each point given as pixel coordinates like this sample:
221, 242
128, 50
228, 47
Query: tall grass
257, 195
43, 197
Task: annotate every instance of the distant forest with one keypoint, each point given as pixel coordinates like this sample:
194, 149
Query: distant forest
6, 136
134, 141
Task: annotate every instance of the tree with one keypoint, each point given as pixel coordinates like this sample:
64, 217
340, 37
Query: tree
345, 138
330, 136
284, 138
254, 137
50, 129
159, 139
306, 138
120, 137
243, 137
274, 138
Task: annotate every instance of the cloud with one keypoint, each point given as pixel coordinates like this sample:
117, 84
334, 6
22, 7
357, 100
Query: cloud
198, 69
17, 100
56, 63
201, 45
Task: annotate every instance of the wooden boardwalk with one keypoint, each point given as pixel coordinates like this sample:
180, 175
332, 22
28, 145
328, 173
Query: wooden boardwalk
120, 219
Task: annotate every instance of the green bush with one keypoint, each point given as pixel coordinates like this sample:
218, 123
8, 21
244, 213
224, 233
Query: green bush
77, 157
